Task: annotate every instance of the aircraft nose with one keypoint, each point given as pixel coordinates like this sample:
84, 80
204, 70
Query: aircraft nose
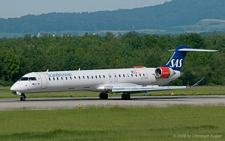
13, 88
19, 87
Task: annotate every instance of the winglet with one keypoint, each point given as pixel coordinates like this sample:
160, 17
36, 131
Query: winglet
196, 84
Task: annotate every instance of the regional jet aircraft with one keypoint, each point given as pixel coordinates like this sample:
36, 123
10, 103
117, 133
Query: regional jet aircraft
126, 81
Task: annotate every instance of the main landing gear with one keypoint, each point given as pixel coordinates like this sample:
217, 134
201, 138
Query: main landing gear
23, 97
103, 95
125, 96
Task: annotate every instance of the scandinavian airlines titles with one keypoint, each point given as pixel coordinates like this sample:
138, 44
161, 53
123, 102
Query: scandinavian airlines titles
176, 63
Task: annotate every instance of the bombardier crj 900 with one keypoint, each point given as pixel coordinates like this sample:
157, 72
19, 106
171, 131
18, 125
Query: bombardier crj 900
126, 81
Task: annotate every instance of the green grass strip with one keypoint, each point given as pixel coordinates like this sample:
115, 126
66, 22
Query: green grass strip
115, 123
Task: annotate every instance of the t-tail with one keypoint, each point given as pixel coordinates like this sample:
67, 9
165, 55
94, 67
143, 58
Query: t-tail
177, 59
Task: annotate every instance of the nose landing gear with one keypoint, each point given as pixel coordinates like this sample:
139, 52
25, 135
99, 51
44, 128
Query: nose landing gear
23, 97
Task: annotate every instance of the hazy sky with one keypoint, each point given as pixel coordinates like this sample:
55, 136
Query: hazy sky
18, 8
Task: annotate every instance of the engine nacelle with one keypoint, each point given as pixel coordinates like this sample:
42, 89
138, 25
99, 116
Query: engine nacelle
164, 72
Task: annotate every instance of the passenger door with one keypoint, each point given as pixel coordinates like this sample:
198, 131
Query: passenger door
43, 80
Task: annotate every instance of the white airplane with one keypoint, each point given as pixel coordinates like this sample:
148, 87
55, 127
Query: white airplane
126, 81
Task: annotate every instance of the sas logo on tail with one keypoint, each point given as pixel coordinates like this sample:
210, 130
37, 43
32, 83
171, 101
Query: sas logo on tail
176, 63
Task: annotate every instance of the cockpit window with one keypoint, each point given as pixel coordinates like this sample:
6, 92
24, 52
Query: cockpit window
23, 78
32, 78
27, 79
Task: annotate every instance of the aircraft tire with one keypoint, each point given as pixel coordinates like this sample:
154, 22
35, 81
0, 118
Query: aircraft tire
103, 96
125, 96
22, 98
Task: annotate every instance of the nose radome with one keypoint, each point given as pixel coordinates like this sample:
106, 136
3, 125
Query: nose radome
13, 88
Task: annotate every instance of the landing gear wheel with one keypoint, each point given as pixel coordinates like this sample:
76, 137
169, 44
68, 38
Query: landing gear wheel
23, 97
103, 95
125, 96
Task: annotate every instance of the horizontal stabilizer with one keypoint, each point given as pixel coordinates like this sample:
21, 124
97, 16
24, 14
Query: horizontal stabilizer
193, 49
200, 50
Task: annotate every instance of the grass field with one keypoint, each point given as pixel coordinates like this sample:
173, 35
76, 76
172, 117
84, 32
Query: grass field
200, 90
115, 123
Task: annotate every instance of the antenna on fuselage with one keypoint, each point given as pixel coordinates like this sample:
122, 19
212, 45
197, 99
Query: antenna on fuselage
79, 69
47, 70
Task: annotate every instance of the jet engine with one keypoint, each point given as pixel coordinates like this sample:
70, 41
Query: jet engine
164, 72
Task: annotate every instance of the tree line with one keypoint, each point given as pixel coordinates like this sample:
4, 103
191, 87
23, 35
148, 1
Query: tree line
164, 16
19, 56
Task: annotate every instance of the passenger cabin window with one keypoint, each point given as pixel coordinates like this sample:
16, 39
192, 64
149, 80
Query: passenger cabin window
99, 76
49, 79
103, 76
123, 75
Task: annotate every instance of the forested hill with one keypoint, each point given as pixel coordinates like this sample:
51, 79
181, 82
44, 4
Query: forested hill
174, 13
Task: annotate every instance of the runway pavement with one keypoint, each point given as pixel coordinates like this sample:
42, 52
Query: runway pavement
161, 101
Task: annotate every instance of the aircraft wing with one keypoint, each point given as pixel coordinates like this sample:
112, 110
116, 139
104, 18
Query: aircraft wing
127, 87
140, 88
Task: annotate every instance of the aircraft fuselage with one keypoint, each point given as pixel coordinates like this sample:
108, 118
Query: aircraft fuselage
91, 80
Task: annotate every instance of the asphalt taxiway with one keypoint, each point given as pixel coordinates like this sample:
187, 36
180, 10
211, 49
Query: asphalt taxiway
161, 101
